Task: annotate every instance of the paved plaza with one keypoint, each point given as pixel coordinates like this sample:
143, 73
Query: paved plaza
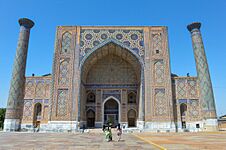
187, 140
130, 141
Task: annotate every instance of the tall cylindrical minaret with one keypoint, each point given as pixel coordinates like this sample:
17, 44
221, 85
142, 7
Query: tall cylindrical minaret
205, 86
16, 93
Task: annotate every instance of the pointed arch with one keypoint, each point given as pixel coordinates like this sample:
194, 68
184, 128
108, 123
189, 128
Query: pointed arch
118, 103
107, 42
183, 114
37, 114
90, 114
111, 47
132, 117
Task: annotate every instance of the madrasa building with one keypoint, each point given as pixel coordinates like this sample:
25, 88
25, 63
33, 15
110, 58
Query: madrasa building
111, 74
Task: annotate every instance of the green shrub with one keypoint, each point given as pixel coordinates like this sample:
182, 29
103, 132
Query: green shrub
2, 117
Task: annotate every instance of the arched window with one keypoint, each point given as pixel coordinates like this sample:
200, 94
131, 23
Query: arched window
91, 98
132, 98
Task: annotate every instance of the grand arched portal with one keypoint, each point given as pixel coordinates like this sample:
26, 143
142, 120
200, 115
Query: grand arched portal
110, 71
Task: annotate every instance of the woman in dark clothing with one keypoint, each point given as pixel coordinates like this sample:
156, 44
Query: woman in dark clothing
119, 132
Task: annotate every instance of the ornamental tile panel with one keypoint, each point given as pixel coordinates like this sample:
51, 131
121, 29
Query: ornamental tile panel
194, 109
64, 72
114, 93
159, 71
192, 88
66, 43
29, 89
180, 101
40, 89
46, 101
27, 112
181, 88
62, 102
157, 43
160, 102
38, 101
91, 38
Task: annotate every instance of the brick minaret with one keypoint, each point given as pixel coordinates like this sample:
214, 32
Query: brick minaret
16, 92
205, 86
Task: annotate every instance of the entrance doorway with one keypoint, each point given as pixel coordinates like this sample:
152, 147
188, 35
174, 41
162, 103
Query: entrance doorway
37, 114
183, 111
132, 118
111, 112
90, 118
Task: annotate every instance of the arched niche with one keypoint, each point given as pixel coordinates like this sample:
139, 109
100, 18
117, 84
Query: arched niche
37, 114
132, 117
183, 114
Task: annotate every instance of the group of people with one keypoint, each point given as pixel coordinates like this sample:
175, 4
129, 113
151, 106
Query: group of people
108, 133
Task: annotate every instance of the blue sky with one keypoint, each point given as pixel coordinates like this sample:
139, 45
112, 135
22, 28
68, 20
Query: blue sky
176, 14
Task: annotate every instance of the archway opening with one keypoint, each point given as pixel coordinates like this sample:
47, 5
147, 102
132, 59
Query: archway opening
111, 112
90, 118
183, 112
132, 117
37, 114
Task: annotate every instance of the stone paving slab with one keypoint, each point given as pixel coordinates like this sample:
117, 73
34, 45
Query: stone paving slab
70, 141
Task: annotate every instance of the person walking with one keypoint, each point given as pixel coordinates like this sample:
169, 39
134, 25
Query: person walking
119, 132
107, 133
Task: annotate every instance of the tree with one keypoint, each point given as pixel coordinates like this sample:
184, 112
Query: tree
2, 117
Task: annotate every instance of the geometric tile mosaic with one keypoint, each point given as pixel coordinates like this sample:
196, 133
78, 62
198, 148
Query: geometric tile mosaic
206, 93
157, 43
64, 72
160, 105
159, 71
27, 109
91, 38
194, 108
61, 102
66, 43
40, 90
181, 88
192, 88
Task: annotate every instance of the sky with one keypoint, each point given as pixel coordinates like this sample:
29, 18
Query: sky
176, 14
